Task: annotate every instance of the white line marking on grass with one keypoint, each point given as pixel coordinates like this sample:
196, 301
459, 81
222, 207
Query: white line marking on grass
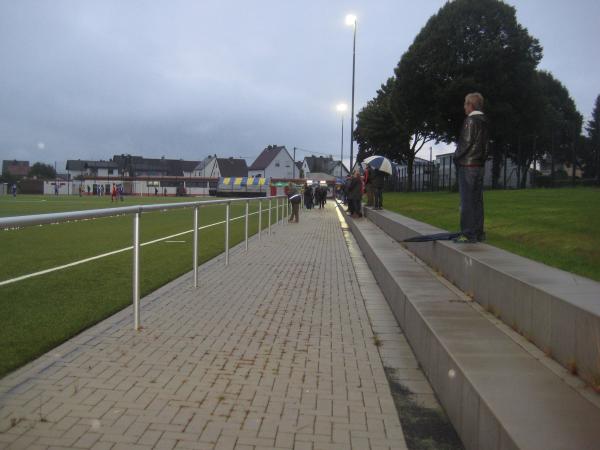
175, 242
25, 201
104, 255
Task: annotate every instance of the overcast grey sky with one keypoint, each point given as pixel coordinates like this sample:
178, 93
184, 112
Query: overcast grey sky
184, 79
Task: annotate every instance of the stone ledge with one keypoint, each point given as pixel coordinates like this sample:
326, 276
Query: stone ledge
556, 310
496, 394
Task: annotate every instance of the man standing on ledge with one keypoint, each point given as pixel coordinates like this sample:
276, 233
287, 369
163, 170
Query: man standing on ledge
469, 157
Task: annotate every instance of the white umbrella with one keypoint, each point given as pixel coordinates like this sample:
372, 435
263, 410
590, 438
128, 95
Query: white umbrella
379, 163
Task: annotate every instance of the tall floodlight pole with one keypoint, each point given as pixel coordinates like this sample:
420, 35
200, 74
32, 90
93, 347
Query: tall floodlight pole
341, 108
351, 21
294, 165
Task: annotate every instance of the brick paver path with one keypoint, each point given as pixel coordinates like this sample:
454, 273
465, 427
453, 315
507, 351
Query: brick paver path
274, 351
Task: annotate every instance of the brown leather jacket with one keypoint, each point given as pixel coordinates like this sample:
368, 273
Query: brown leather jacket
472, 148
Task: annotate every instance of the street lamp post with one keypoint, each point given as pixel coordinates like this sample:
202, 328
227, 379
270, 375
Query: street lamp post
294, 165
342, 107
351, 20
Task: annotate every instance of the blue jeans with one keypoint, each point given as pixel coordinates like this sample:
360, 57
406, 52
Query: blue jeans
470, 185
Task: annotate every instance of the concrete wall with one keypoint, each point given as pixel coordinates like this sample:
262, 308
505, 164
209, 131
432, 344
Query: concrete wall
556, 310
497, 395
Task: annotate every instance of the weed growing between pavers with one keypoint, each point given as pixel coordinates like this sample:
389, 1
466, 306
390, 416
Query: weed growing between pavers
424, 428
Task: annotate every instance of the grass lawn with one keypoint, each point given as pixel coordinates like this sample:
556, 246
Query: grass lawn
558, 227
39, 313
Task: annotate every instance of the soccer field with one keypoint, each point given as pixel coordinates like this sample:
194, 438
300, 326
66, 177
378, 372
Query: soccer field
40, 312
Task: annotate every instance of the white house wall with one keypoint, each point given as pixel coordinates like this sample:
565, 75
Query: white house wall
280, 167
210, 170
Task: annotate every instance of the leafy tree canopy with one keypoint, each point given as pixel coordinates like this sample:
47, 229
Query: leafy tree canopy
558, 122
42, 171
591, 155
468, 46
377, 132
593, 126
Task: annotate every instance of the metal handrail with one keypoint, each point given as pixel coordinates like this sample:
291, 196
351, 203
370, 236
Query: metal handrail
136, 211
41, 219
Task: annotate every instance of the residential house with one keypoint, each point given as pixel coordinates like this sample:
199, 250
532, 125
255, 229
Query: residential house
100, 169
314, 167
15, 168
214, 167
445, 172
138, 166
274, 162
545, 167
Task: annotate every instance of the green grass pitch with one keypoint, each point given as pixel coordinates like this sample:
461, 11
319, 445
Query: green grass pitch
558, 227
38, 313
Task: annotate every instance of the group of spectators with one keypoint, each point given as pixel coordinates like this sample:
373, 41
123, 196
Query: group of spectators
356, 185
352, 191
316, 196
469, 157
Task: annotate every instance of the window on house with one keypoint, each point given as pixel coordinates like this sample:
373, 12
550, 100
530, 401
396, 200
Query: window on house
276, 164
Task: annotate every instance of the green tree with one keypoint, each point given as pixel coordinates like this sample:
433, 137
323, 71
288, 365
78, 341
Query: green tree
377, 132
468, 46
593, 153
8, 177
557, 123
42, 171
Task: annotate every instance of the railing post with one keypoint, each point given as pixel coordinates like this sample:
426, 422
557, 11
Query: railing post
196, 246
270, 210
259, 218
246, 226
227, 233
285, 209
276, 210
136, 271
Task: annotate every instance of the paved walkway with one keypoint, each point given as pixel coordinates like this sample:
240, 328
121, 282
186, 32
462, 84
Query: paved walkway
275, 351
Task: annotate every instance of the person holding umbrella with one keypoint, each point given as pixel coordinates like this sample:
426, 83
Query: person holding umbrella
380, 165
377, 179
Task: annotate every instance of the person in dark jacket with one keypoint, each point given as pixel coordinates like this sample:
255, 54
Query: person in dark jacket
377, 179
308, 197
321, 196
355, 195
317, 196
347, 182
368, 183
469, 157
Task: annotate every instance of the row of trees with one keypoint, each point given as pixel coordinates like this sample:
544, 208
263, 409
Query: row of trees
39, 170
476, 46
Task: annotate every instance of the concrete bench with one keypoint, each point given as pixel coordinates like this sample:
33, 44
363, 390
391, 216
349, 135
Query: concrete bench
497, 395
556, 310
